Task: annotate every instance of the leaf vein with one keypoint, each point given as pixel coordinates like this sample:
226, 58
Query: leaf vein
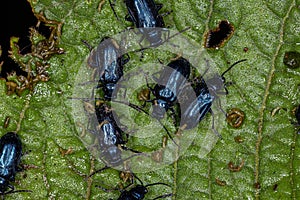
266, 95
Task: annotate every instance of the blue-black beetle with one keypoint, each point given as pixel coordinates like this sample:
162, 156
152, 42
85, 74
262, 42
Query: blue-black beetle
110, 136
144, 15
10, 157
169, 86
108, 61
206, 92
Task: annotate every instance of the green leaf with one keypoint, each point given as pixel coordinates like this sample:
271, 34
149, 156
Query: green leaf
270, 148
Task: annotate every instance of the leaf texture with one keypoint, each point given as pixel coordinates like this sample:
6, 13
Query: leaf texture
269, 153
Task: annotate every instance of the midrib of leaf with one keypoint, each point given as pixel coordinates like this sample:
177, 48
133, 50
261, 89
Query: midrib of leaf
264, 102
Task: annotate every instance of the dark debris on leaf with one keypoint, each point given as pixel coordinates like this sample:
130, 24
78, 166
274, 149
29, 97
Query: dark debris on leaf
235, 117
217, 37
34, 64
292, 59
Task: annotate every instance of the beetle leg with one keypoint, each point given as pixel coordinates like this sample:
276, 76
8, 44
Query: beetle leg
173, 116
224, 93
87, 45
167, 37
124, 59
128, 18
11, 187
166, 13
225, 87
97, 171
220, 107
144, 104
213, 125
129, 149
20, 168
141, 46
112, 7
158, 6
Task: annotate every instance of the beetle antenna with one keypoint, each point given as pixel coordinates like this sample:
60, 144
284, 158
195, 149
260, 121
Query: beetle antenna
205, 72
232, 66
112, 7
168, 133
183, 30
142, 110
161, 196
97, 171
137, 178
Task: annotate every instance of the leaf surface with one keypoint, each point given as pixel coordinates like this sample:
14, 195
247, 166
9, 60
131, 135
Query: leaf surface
270, 148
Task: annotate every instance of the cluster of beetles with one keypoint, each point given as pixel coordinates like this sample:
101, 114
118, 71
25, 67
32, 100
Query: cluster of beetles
108, 61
